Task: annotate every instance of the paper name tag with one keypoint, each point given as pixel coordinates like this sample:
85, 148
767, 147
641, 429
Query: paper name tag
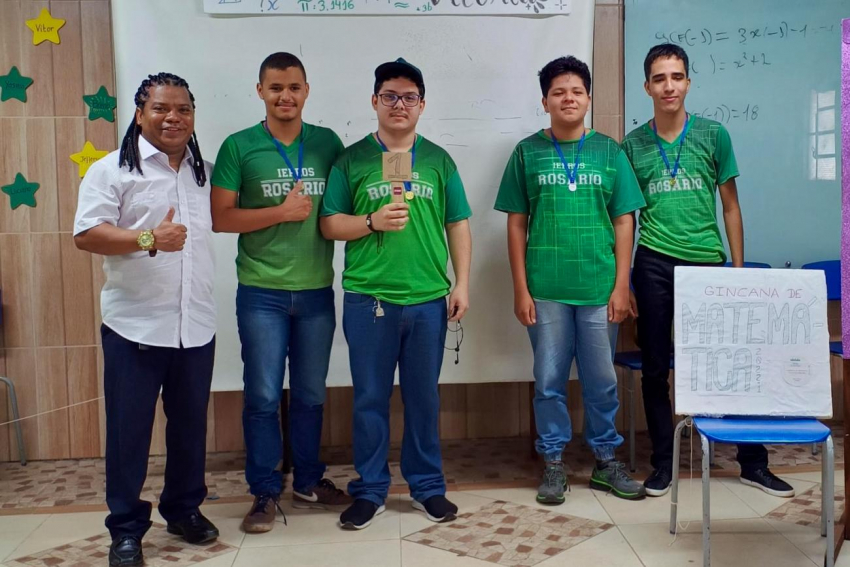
397, 192
398, 166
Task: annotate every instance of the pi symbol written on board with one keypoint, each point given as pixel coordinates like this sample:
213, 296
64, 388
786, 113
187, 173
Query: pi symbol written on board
398, 166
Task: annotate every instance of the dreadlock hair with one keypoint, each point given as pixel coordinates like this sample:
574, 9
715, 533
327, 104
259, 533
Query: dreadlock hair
129, 154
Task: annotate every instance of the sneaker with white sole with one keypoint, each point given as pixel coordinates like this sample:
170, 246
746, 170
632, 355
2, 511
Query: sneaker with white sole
658, 483
360, 514
437, 508
764, 479
324, 496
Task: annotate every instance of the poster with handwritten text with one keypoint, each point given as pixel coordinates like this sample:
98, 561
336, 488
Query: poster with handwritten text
388, 7
751, 342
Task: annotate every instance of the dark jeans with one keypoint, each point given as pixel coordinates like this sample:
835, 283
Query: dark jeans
410, 338
276, 325
132, 378
652, 279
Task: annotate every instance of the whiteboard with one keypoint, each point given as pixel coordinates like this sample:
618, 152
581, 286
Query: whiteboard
780, 103
751, 342
387, 7
482, 95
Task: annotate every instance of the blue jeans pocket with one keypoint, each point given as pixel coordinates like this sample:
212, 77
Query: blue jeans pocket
357, 298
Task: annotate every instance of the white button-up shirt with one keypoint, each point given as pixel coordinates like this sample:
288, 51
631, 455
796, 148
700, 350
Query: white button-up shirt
166, 300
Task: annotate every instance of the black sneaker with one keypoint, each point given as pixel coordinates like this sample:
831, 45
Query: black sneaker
437, 508
125, 551
767, 481
360, 514
658, 483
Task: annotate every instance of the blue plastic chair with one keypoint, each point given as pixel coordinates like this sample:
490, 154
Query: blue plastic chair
751, 265
767, 431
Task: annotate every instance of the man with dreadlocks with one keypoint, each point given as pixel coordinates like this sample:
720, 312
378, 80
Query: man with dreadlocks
146, 209
268, 184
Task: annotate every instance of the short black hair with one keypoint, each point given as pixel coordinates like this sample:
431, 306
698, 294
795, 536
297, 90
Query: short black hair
281, 61
399, 69
563, 66
664, 50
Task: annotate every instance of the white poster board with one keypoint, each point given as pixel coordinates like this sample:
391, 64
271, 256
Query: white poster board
751, 342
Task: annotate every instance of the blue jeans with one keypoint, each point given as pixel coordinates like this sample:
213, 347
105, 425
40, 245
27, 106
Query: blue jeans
412, 337
561, 333
274, 324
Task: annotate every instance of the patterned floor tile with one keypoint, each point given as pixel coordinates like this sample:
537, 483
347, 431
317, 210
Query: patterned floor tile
46, 484
510, 534
160, 549
804, 509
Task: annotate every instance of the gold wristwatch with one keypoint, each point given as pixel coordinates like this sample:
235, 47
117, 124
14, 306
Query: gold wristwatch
146, 242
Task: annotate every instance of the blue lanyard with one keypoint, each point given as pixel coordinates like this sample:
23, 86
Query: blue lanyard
407, 186
572, 174
296, 174
675, 170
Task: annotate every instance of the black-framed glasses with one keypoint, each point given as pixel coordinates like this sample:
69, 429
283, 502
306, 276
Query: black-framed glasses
458, 331
390, 99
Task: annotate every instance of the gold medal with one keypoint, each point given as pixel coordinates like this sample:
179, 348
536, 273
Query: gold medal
409, 195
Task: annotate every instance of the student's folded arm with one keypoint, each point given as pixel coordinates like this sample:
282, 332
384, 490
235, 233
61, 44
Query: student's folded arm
228, 217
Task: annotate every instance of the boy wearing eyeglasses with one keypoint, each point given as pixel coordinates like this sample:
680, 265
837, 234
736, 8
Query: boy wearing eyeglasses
396, 284
570, 194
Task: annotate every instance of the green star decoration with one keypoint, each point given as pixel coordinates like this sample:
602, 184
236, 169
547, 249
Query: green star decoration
14, 85
21, 192
101, 105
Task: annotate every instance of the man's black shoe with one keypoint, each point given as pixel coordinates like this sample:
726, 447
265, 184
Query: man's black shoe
194, 528
125, 551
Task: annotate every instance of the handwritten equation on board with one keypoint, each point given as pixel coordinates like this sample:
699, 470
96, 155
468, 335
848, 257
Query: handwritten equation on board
724, 113
692, 37
388, 7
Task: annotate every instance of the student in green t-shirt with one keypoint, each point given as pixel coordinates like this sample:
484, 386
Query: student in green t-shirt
570, 195
680, 161
396, 284
267, 186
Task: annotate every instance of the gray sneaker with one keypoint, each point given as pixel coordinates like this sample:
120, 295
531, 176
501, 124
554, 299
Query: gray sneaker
612, 477
553, 485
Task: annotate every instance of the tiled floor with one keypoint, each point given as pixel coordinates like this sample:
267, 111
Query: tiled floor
48, 484
497, 526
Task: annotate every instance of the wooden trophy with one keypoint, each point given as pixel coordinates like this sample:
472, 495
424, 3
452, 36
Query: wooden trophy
398, 169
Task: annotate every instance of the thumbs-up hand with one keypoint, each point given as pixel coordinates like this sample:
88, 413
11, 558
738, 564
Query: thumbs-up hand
169, 236
297, 206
